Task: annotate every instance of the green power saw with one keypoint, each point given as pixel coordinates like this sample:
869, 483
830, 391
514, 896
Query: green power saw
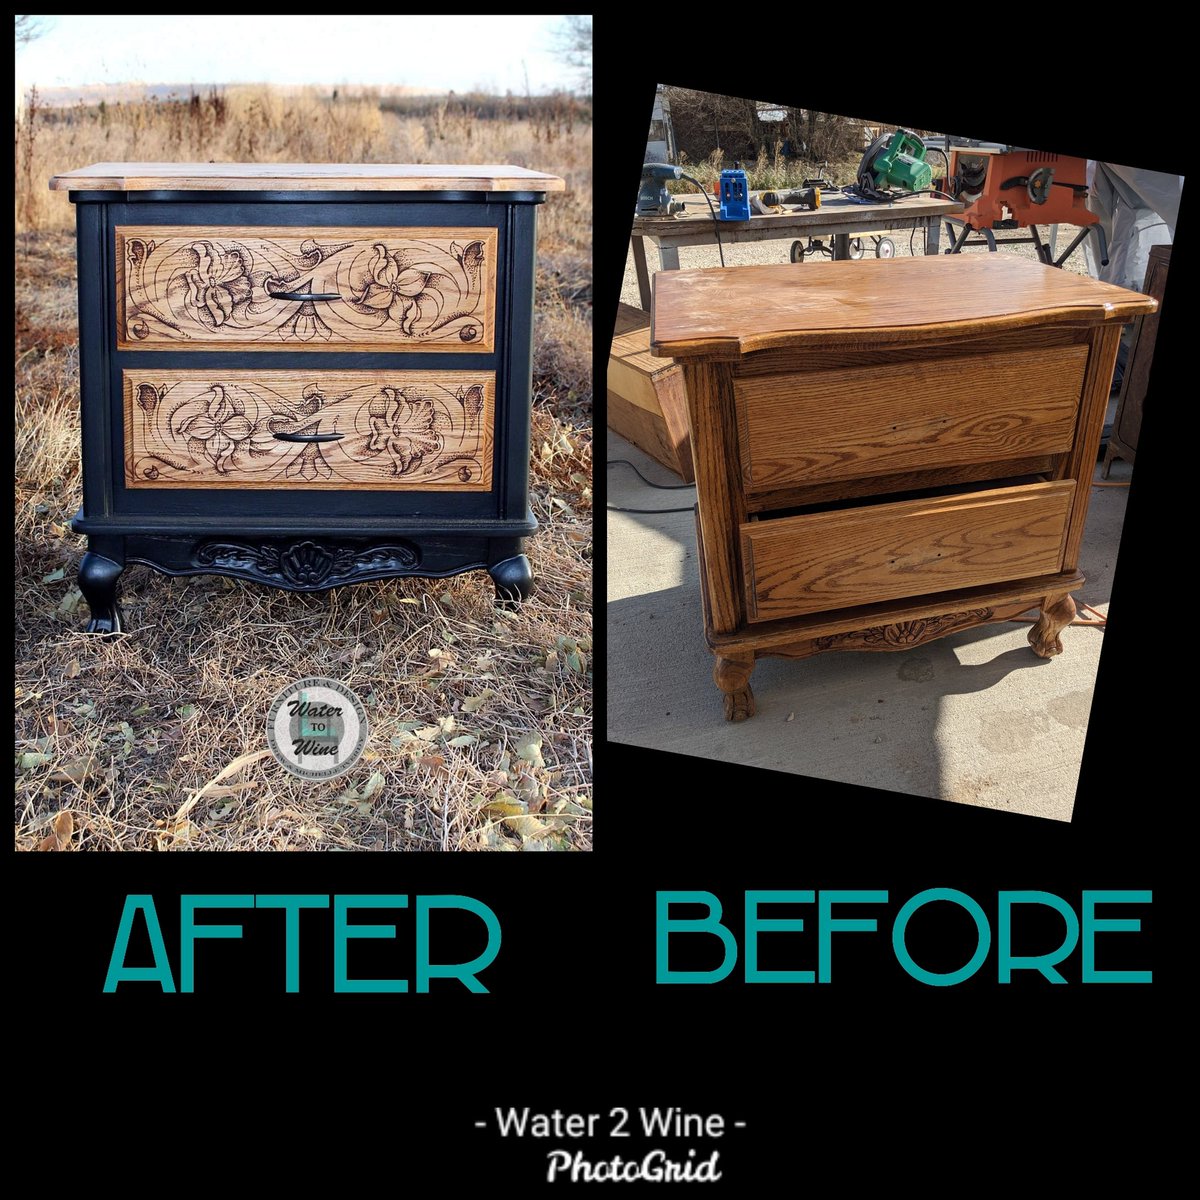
894, 162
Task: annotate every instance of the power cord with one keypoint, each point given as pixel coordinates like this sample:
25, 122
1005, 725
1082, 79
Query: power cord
716, 223
666, 487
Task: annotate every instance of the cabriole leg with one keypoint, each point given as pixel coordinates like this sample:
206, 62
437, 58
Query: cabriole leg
98, 578
1057, 614
732, 676
513, 579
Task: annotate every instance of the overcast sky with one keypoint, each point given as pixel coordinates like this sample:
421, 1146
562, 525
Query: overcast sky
441, 53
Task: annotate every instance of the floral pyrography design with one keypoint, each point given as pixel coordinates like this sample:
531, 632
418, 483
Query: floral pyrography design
419, 428
218, 282
405, 425
397, 288
222, 429
423, 289
471, 400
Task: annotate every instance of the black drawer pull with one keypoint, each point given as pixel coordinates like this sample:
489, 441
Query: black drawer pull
304, 295
309, 437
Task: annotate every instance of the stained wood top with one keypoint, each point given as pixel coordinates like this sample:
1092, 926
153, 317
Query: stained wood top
725, 312
304, 177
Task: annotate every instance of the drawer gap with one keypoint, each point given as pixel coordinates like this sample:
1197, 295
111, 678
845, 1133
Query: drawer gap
950, 489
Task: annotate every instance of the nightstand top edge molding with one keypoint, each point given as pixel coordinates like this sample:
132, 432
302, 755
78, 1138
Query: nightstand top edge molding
345, 177
725, 312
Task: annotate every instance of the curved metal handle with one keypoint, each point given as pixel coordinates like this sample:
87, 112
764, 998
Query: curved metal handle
309, 437
304, 295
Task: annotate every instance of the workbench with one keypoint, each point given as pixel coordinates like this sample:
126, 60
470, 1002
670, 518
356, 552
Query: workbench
886, 453
839, 217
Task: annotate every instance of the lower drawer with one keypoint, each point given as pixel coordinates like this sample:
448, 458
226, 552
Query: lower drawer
840, 559
386, 430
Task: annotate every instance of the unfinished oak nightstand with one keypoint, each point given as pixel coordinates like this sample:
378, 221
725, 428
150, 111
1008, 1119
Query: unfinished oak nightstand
305, 375
887, 451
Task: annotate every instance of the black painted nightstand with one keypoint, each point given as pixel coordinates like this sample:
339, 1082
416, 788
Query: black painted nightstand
304, 375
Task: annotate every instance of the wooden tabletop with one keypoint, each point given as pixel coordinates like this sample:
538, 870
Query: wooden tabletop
304, 177
835, 209
725, 312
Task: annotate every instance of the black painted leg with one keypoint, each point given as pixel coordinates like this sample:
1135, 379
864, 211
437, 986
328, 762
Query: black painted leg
98, 578
513, 578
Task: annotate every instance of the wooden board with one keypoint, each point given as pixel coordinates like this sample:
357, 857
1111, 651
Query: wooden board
654, 388
401, 430
196, 288
647, 431
726, 312
875, 420
856, 556
630, 318
296, 177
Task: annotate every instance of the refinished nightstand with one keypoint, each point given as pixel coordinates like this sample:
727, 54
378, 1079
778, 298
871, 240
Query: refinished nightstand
887, 451
304, 375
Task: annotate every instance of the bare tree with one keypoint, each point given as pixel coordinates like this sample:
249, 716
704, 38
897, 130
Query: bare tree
29, 28
574, 41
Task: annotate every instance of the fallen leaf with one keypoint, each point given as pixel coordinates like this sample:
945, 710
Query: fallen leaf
54, 576
60, 839
503, 804
432, 761
73, 669
70, 602
528, 827
75, 771
465, 739
373, 785
527, 789
473, 704
186, 712
32, 759
529, 748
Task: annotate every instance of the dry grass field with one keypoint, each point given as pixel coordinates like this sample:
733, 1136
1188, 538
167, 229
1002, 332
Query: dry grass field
480, 719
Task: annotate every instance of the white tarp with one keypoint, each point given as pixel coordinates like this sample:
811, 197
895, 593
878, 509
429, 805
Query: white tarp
1137, 210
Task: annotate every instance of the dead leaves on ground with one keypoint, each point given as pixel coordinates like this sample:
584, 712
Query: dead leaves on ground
60, 838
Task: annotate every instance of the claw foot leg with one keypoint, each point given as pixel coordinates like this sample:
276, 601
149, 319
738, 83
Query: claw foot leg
732, 676
1056, 615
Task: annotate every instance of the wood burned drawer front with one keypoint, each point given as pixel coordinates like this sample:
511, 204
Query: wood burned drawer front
395, 430
841, 559
852, 422
374, 289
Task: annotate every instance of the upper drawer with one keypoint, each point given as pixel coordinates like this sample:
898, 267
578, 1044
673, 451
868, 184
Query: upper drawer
854, 422
328, 288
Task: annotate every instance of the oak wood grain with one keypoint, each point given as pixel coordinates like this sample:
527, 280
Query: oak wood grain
857, 556
733, 311
406, 288
877, 420
402, 430
769, 636
723, 508
296, 177
1080, 464
814, 358
650, 432
905, 481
